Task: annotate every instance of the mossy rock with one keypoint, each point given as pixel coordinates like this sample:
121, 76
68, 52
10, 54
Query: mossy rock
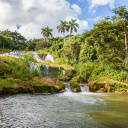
65, 78
79, 79
73, 84
69, 74
111, 89
96, 86
45, 89
102, 90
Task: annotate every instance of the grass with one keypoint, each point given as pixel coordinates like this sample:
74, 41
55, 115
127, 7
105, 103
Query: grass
65, 66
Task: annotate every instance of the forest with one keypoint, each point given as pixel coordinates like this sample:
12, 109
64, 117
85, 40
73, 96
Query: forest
97, 56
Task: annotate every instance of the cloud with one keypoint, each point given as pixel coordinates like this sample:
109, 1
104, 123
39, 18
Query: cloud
77, 9
32, 15
94, 19
95, 3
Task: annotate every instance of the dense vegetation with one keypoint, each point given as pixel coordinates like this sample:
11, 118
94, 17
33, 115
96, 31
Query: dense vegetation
97, 55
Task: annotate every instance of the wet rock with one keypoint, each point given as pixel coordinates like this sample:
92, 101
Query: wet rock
77, 89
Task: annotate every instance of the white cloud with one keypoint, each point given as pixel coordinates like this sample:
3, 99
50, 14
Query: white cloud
77, 9
94, 19
32, 15
95, 3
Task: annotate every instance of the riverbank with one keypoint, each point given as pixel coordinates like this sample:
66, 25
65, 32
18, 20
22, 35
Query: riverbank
36, 85
18, 75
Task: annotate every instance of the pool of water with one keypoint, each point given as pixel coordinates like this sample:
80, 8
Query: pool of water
64, 110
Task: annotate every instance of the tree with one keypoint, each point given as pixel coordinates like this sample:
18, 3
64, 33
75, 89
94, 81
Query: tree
6, 33
73, 26
107, 40
46, 33
63, 27
5, 42
122, 17
17, 37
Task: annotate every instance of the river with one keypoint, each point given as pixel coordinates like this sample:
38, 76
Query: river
64, 110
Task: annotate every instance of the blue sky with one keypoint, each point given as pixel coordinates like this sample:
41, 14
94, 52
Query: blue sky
29, 16
99, 11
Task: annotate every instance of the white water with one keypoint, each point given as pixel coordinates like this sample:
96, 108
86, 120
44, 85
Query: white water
35, 55
50, 58
68, 87
33, 67
46, 70
64, 72
13, 54
84, 88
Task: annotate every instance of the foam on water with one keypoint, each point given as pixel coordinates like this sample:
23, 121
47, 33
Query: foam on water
87, 97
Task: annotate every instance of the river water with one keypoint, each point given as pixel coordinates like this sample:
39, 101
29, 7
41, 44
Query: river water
64, 110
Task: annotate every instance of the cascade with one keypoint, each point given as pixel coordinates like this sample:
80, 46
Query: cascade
14, 54
84, 88
63, 71
49, 57
67, 87
46, 70
36, 56
33, 66
20, 54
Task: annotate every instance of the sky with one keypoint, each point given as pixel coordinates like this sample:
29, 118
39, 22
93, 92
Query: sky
29, 16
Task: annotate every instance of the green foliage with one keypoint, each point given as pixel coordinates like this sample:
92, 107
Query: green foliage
74, 84
87, 53
70, 52
117, 87
30, 46
42, 53
5, 42
40, 45
47, 32
16, 68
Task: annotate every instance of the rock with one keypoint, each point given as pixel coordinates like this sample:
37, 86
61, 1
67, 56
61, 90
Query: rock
77, 89
96, 86
49, 81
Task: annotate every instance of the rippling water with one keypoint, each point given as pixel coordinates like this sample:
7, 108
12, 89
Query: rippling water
65, 110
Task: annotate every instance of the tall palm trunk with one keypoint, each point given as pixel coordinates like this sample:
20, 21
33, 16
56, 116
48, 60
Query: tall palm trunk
125, 45
70, 36
64, 38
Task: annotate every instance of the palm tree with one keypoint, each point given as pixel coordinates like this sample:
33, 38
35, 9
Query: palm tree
63, 27
73, 26
46, 33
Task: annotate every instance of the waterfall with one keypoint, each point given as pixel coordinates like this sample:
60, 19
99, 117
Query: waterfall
46, 70
67, 87
36, 56
63, 71
20, 54
84, 88
49, 57
34, 66
14, 54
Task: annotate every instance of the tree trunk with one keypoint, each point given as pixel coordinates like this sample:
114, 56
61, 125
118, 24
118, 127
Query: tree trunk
64, 38
70, 36
125, 45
